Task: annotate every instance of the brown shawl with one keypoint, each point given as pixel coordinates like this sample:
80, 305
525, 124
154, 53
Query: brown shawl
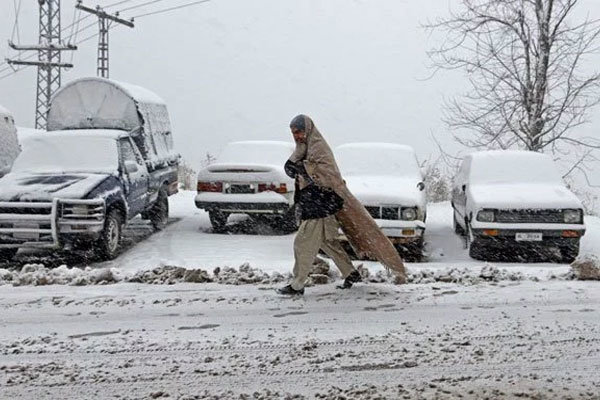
360, 228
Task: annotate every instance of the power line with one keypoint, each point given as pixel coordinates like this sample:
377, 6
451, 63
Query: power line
140, 5
172, 8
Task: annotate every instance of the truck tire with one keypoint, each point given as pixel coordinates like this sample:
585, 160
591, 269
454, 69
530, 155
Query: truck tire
159, 214
569, 253
218, 220
7, 254
110, 240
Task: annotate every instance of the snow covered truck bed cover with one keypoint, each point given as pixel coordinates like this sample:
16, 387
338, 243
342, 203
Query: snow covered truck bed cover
98, 103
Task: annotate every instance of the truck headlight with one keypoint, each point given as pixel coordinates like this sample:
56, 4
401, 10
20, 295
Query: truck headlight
409, 214
486, 216
572, 216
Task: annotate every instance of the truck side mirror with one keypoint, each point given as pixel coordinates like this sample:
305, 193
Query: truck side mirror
131, 167
421, 186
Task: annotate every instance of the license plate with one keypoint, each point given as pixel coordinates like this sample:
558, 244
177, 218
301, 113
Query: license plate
27, 235
240, 189
529, 237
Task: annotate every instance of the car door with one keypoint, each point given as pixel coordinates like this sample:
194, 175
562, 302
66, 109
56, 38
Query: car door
135, 177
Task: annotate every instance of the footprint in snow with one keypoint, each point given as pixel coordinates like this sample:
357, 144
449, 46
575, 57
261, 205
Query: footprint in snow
206, 326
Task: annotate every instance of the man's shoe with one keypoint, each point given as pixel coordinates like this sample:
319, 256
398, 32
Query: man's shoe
290, 291
350, 280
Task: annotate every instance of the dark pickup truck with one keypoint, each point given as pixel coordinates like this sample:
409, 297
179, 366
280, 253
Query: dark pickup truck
78, 187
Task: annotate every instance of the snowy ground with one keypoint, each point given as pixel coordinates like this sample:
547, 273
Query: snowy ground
519, 333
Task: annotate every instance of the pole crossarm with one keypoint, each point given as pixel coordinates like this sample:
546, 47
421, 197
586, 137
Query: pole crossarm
50, 46
100, 13
41, 64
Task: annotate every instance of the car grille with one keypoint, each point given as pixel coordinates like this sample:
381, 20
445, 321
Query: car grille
530, 216
384, 212
26, 210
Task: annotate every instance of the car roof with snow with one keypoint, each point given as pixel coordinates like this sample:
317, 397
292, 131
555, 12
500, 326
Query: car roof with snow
373, 158
83, 133
512, 166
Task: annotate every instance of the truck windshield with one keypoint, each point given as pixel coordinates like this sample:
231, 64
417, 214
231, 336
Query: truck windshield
48, 153
377, 160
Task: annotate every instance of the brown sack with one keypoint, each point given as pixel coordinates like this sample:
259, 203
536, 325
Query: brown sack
360, 228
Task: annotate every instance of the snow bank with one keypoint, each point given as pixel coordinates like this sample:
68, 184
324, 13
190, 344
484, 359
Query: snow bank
9, 144
39, 275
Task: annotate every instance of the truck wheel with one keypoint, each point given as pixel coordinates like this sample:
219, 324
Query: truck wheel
218, 220
110, 240
569, 253
7, 254
159, 215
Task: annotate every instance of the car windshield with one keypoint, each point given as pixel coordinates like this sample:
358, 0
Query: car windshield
269, 153
47, 153
513, 167
395, 160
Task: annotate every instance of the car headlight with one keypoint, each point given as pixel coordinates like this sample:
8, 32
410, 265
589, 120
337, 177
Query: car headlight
572, 216
486, 216
409, 214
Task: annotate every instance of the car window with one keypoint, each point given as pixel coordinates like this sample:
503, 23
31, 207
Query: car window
128, 153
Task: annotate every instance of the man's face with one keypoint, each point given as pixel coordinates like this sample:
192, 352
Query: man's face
299, 136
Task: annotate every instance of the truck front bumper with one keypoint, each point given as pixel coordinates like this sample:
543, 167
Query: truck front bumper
50, 224
529, 237
399, 231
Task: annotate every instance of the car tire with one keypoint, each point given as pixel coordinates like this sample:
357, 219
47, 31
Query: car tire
290, 222
477, 250
110, 240
569, 253
459, 230
159, 215
7, 254
412, 252
218, 220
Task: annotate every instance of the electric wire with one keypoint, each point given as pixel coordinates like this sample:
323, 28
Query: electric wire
171, 8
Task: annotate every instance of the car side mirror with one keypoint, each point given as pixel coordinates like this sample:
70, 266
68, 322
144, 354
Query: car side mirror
421, 186
464, 188
131, 167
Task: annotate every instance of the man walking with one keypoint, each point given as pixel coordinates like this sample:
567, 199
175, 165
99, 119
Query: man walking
316, 173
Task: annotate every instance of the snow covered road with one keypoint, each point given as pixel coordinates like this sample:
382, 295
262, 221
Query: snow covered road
214, 341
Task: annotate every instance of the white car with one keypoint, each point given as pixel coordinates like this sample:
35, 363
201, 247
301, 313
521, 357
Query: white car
387, 180
517, 201
248, 178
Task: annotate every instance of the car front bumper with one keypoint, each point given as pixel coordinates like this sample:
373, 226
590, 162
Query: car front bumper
549, 237
399, 231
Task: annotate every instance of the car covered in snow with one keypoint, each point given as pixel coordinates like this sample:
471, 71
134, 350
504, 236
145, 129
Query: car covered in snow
386, 179
106, 158
248, 178
515, 201
9, 144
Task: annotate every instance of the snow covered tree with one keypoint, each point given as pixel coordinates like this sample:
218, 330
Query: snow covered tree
525, 64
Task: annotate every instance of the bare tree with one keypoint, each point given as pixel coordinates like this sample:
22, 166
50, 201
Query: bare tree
525, 63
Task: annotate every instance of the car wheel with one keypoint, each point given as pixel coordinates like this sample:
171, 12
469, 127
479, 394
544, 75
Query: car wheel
457, 228
159, 215
110, 240
218, 220
569, 253
477, 250
290, 222
7, 254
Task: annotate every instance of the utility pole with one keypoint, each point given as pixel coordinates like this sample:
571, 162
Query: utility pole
104, 21
49, 48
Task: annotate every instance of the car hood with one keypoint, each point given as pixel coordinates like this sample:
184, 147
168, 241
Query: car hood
523, 196
386, 190
46, 187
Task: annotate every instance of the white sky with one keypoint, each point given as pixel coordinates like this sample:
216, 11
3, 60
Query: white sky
241, 69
